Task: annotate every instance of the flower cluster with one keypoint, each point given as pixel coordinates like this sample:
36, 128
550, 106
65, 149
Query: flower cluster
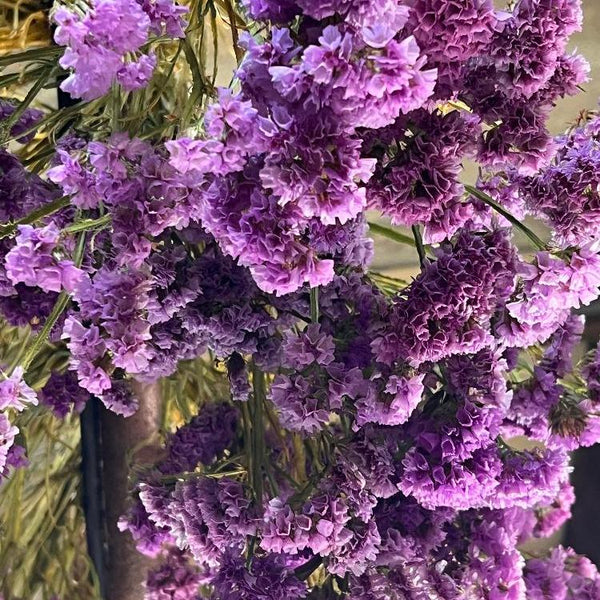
98, 43
15, 396
33, 262
365, 449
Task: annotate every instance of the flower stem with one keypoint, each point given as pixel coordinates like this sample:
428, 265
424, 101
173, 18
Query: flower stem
419, 244
508, 216
314, 304
391, 234
43, 211
57, 311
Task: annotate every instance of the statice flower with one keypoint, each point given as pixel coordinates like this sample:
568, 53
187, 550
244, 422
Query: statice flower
97, 44
452, 32
166, 17
416, 181
234, 129
551, 287
15, 393
87, 348
321, 526
24, 305
262, 234
529, 43
565, 194
494, 565
310, 346
212, 515
24, 124
135, 75
8, 433
270, 579
361, 13
62, 394
174, 579
591, 372
33, 261
21, 190
15, 457
116, 301
149, 537
314, 164
75, 180
448, 307
549, 518
394, 404
278, 11
120, 399
301, 403
201, 440
454, 461
531, 477
368, 93
561, 575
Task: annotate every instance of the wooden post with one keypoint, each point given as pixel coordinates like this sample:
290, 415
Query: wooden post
123, 442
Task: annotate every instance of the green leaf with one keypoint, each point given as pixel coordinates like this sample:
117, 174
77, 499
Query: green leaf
36, 215
391, 234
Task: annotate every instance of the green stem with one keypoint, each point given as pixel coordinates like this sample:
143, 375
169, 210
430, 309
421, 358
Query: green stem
508, 216
248, 442
419, 244
259, 395
59, 308
29, 98
36, 215
40, 339
87, 224
31, 55
391, 234
314, 304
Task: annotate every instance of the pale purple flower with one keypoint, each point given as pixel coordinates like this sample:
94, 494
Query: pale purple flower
15, 393
33, 260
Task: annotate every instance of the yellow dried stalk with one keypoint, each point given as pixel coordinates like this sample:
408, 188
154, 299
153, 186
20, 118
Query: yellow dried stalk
23, 25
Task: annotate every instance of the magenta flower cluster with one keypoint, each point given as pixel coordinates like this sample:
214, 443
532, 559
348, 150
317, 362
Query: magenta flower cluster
365, 449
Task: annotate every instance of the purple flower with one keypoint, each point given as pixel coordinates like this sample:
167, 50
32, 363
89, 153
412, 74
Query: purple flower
166, 17
448, 307
269, 579
201, 440
394, 404
452, 32
62, 393
564, 194
174, 579
214, 515
551, 288
310, 346
8, 432
15, 393
417, 180
33, 261
97, 44
120, 399
135, 75
26, 122
561, 575
149, 538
